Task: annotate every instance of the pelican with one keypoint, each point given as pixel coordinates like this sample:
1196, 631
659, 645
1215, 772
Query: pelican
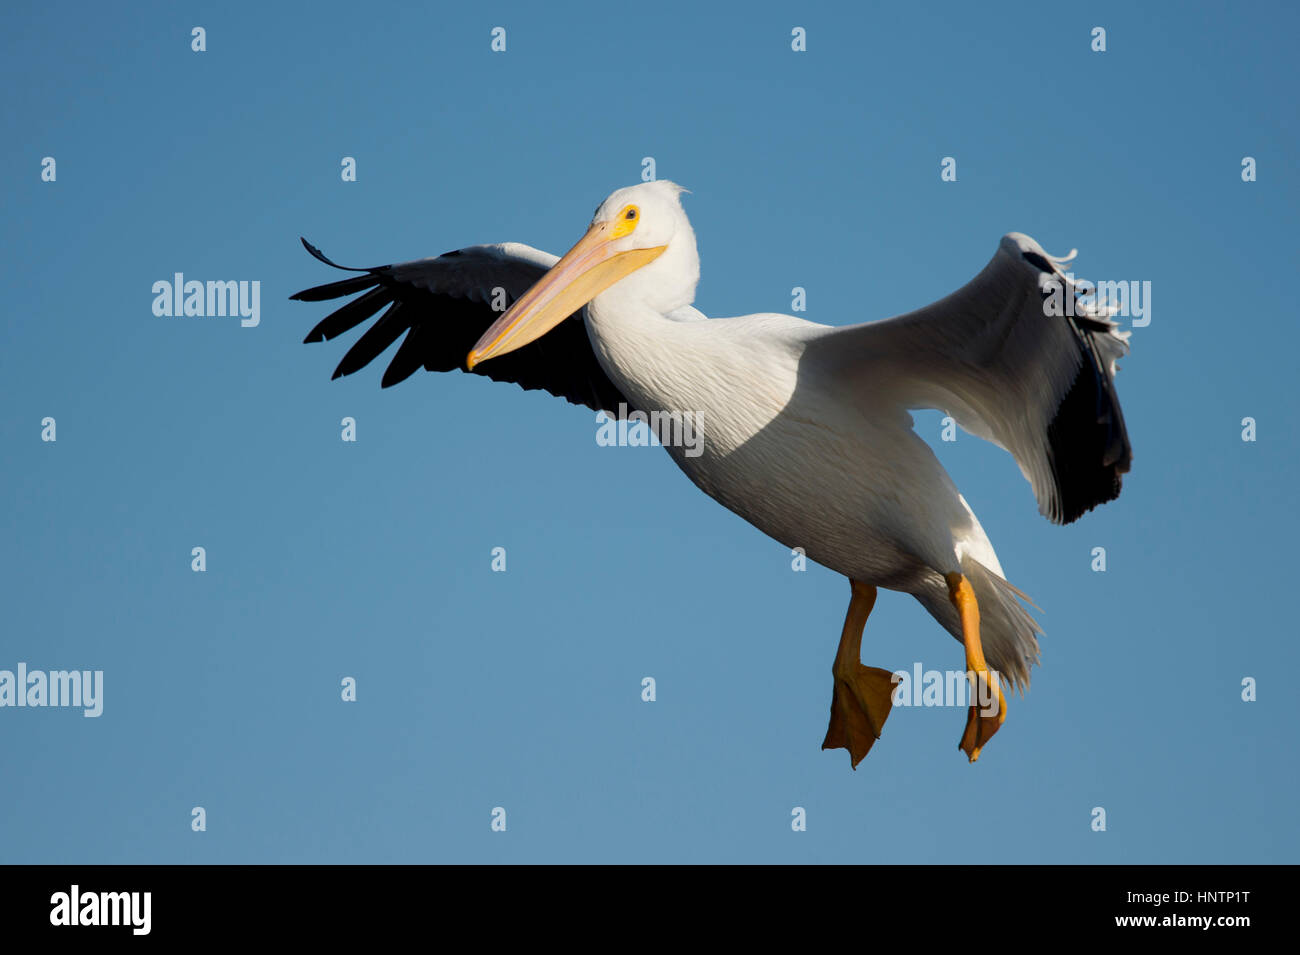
806, 427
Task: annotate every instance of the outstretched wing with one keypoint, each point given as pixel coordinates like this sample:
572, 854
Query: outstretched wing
442, 305
1016, 358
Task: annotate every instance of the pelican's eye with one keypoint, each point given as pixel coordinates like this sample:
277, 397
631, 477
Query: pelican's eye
626, 221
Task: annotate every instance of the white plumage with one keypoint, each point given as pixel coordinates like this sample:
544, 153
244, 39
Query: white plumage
806, 427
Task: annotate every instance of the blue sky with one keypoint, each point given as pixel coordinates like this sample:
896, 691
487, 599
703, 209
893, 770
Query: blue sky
521, 689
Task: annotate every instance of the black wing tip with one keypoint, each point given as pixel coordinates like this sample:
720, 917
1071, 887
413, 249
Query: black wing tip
1090, 450
322, 257
317, 254
395, 375
1038, 262
320, 293
442, 329
1072, 511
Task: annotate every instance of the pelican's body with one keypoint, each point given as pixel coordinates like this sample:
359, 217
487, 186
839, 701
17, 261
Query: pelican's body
806, 431
838, 473
844, 477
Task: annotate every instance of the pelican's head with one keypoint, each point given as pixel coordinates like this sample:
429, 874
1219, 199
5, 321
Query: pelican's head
640, 243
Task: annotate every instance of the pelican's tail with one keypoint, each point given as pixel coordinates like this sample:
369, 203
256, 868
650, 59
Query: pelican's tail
1008, 632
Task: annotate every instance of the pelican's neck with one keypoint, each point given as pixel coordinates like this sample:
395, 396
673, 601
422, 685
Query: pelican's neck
621, 315
638, 346
633, 337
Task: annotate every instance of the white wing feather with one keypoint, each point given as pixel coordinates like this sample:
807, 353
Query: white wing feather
991, 355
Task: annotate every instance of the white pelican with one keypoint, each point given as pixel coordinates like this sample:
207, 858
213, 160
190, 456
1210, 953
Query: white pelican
806, 428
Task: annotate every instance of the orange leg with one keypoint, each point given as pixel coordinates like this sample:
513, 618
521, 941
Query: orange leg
985, 685
863, 696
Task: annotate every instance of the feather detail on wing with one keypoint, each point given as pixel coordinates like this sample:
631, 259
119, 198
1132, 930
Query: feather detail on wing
1015, 357
442, 305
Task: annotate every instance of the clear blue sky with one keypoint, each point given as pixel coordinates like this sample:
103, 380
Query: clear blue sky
522, 690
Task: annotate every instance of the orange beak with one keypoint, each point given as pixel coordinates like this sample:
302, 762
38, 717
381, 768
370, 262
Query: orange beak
586, 270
